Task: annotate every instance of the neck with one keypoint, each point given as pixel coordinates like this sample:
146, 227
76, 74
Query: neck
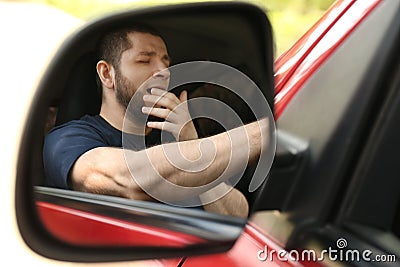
115, 115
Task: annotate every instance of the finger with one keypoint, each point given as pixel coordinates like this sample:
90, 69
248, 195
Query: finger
162, 125
160, 101
183, 96
157, 112
163, 93
158, 91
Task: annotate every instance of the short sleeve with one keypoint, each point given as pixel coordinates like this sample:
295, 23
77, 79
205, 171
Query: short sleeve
63, 146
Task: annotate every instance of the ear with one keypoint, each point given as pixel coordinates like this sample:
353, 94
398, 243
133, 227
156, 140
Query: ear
106, 74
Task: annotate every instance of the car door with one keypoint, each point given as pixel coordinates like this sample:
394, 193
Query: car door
332, 202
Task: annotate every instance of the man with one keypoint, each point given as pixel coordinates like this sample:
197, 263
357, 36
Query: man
87, 154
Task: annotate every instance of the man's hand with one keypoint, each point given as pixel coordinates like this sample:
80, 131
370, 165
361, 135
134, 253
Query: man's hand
174, 111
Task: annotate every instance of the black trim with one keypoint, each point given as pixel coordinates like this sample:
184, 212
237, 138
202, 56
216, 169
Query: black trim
291, 157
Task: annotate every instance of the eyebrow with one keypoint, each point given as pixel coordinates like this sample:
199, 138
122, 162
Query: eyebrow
152, 53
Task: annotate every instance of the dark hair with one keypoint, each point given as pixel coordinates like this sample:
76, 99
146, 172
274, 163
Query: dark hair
114, 43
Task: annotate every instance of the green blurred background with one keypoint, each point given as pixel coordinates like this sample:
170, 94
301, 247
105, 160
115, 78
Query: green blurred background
289, 18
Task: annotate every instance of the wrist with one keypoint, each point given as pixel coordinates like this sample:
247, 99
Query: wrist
188, 132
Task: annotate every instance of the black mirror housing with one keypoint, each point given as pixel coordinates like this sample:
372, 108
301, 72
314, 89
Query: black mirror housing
233, 33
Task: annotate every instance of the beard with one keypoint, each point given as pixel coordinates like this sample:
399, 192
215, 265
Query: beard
131, 97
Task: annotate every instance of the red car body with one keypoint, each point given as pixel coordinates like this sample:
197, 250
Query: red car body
292, 70
296, 65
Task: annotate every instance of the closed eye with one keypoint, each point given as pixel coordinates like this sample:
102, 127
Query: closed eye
143, 60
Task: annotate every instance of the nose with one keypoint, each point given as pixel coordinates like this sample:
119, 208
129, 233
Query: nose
164, 74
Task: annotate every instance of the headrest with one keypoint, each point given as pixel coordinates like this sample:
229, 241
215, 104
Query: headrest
81, 95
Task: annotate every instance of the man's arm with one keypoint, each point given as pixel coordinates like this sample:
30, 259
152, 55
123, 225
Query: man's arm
233, 203
104, 170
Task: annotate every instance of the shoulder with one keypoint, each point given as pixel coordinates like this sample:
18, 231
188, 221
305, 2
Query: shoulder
87, 125
73, 132
66, 143
88, 129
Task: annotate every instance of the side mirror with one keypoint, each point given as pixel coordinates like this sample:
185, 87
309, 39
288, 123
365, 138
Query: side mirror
77, 226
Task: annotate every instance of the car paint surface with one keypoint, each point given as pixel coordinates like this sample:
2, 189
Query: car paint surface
249, 250
84, 228
297, 65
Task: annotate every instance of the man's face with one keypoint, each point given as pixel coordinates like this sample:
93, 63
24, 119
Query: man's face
142, 67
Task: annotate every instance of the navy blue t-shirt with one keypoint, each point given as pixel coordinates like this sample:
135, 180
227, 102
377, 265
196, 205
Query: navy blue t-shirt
66, 143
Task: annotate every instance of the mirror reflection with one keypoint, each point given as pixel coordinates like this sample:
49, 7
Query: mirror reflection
137, 132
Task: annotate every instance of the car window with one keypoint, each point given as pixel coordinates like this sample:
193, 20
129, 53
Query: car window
371, 207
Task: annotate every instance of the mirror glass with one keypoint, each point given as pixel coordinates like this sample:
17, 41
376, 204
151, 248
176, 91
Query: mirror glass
204, 69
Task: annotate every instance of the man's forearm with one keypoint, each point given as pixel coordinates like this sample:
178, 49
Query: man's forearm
200, 162
104, 170
232, 203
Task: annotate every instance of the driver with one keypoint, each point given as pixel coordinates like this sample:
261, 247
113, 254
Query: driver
87, 154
